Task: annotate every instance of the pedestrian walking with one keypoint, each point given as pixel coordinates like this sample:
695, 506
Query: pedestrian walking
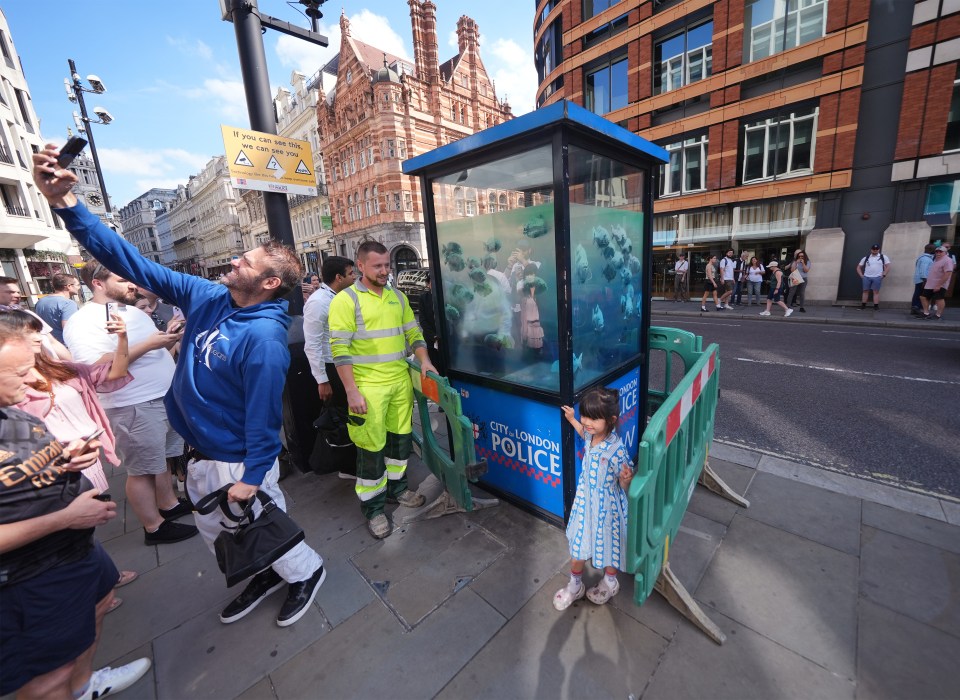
935, 288
921, 269
727, 268
872, 268
710, 284
371, 328
740, 278
56, 308
801, 266
778, 283
754, 273
597, 529
681, 291
225, 398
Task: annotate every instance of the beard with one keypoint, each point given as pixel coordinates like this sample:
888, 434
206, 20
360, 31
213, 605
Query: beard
128, 298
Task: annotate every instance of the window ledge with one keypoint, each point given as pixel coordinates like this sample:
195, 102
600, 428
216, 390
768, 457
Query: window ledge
786, 176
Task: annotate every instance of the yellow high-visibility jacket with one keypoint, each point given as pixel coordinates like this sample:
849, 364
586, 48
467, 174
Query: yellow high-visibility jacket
374, 333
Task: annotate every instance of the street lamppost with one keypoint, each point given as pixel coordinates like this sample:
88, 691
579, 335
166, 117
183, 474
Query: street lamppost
75, 90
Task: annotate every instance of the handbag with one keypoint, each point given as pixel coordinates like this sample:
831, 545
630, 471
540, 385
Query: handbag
333, 450
255, 542
796, 278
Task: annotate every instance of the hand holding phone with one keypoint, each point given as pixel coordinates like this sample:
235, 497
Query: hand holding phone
113, 308
176, 326
71, 149
64, 458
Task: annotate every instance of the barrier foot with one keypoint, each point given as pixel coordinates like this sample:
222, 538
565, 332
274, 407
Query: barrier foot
713, 482
441, 503
669, 587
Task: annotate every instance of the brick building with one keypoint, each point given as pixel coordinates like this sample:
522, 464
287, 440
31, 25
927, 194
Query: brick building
782, 118
384, 110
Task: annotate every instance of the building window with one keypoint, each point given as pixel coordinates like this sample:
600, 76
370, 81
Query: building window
353, 165
402, 148
606, 87
503, 202
396, 201
458, 200
781, 146
595, 7
492, 205
778, 25
363, 159
687, 169
953, 119
683, 58
407, 201
391, 150
376, 200
549, 50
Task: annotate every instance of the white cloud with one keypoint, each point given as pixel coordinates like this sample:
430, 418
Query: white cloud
195, 48
225, 96
162, 184
512, 70
297, 54
164, 164
453, 41
375, 30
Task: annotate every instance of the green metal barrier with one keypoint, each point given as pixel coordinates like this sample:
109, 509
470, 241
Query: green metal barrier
454, 474
673, 451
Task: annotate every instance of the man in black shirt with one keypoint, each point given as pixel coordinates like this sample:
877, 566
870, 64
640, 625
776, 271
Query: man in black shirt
56, 581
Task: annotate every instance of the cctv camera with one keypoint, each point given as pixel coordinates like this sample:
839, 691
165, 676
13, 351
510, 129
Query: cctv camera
69, 88
104, 115
96, 84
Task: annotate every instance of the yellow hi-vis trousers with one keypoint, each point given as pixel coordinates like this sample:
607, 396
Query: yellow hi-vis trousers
383, 439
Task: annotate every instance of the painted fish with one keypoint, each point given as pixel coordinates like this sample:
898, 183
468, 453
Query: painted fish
581, 265
489, 262
482, 288
493, 245
477, 275
452, 312
617, 260
539, 286
535, 228
451, 249
597, 318
601, 237
577, 364
473, 263
633, 262
610, 272
626, 301
460, 295
619, 235
608, 252
455, 262
625, 276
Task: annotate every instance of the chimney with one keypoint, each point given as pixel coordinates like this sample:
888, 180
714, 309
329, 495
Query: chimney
467, 32
431, 59
416, 20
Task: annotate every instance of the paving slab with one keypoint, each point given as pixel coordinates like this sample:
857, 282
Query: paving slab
734, 454
526, 564
899, 657
584, 651
951, 510
261, 691
129, 552
793, 590
346, 590
715, 507
204, 658
437, 579
918, 580
747, 666
829, 518
914, 527
371, 655
161, 599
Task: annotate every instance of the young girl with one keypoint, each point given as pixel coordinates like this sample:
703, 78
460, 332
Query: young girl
598, 519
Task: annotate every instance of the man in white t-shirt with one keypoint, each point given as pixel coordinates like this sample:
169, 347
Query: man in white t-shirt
144, 438
681, 291
872, 269
727, 267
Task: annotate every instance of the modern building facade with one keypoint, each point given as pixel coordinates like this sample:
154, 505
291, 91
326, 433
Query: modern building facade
33, 244
782, 117
384, 110
138, 221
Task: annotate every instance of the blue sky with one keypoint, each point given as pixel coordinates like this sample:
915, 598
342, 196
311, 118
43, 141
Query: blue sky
172, 72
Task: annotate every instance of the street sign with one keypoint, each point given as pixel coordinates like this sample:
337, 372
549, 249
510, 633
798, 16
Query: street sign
267, 162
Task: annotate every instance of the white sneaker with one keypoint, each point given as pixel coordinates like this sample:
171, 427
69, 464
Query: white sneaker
110, 681
764, 313
788, 312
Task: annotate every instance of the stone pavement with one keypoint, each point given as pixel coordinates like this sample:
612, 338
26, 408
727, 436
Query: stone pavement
825, 588
846, 315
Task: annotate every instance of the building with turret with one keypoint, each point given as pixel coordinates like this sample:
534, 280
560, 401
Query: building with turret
385, 109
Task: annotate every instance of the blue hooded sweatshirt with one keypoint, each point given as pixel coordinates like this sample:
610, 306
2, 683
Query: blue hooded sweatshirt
225, 398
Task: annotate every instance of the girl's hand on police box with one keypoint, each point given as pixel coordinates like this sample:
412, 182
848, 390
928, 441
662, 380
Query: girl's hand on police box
626, 476
568, 414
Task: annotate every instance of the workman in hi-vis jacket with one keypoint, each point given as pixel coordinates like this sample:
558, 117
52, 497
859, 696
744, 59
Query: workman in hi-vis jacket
371, 328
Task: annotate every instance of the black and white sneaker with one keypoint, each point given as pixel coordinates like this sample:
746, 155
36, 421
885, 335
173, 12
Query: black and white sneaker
260, 586
299, 597
110, 681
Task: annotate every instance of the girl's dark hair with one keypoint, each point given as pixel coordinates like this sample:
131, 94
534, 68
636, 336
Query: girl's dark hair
601, 404
20, 321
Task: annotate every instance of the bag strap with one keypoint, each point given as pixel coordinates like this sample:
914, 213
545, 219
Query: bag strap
218, 498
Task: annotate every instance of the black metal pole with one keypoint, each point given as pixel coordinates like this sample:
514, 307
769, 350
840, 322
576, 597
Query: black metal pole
256, 86
78, 93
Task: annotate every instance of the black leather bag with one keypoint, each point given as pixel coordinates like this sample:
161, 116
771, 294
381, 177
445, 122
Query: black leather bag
253, 543
333, 451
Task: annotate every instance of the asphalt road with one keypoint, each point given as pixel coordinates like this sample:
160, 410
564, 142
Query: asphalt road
882, 404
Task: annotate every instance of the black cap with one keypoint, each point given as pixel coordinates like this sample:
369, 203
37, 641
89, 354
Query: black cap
875, 246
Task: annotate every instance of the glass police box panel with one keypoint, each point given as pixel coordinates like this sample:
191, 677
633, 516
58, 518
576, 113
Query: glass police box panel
606, 249
496, 234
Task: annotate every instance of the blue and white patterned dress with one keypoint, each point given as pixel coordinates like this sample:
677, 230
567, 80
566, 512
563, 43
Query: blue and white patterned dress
597, 526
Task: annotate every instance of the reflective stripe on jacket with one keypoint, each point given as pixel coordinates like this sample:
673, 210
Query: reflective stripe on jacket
373, 332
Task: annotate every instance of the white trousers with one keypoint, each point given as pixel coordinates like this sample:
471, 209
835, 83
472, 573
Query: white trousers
206, 476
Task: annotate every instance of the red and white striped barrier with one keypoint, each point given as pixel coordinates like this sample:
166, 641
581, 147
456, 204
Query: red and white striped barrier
690, 396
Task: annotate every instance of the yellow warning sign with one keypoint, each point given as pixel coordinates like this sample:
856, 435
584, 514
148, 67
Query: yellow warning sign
267, 162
